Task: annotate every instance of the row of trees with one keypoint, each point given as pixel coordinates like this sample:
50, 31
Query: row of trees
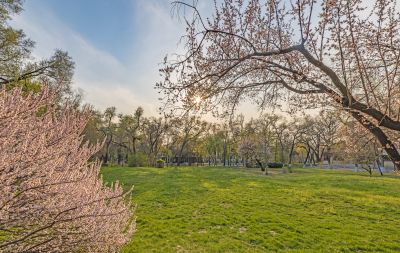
138, 140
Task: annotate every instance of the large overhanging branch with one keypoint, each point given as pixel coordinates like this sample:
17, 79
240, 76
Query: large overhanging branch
286, 85
249, 48
348, 99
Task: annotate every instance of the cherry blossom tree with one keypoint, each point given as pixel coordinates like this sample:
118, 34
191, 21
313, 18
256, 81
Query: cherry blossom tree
52, 199
252, 149
298, 53
360, 147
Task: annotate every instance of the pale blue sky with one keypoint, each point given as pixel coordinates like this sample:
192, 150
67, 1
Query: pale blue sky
108, 25
117, 45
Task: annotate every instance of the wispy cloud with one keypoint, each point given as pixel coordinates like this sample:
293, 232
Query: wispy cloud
106, 80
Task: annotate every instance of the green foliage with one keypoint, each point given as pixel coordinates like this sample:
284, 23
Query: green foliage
30, 86
19, 68
160, 163
138, 160
41, 111
189, 209
9, 8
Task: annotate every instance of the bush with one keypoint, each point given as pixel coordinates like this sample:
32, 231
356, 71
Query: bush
160, 163
275, 165
51, 198
138, 160
251, 164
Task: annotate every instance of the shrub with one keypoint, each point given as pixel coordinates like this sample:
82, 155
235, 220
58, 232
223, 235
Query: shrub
52, 199
250, 164
275, 165
138, 160
160, 163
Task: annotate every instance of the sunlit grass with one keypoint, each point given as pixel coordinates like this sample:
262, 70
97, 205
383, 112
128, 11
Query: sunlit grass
238, 210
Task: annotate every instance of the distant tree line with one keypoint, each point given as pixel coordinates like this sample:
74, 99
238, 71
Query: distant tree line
137, 140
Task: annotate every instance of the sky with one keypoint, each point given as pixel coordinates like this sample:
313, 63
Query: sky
117, 46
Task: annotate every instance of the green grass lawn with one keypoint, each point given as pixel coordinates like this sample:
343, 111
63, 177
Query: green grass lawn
194, 209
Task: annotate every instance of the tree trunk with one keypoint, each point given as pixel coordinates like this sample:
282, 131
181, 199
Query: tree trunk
290, 157
369, 169
383, 139
378, 164
134, 145
262, 166
321, 154
307, 156
282, 153
107, 156
224, 154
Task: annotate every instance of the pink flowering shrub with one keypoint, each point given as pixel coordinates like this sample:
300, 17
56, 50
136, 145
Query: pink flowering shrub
51, 198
